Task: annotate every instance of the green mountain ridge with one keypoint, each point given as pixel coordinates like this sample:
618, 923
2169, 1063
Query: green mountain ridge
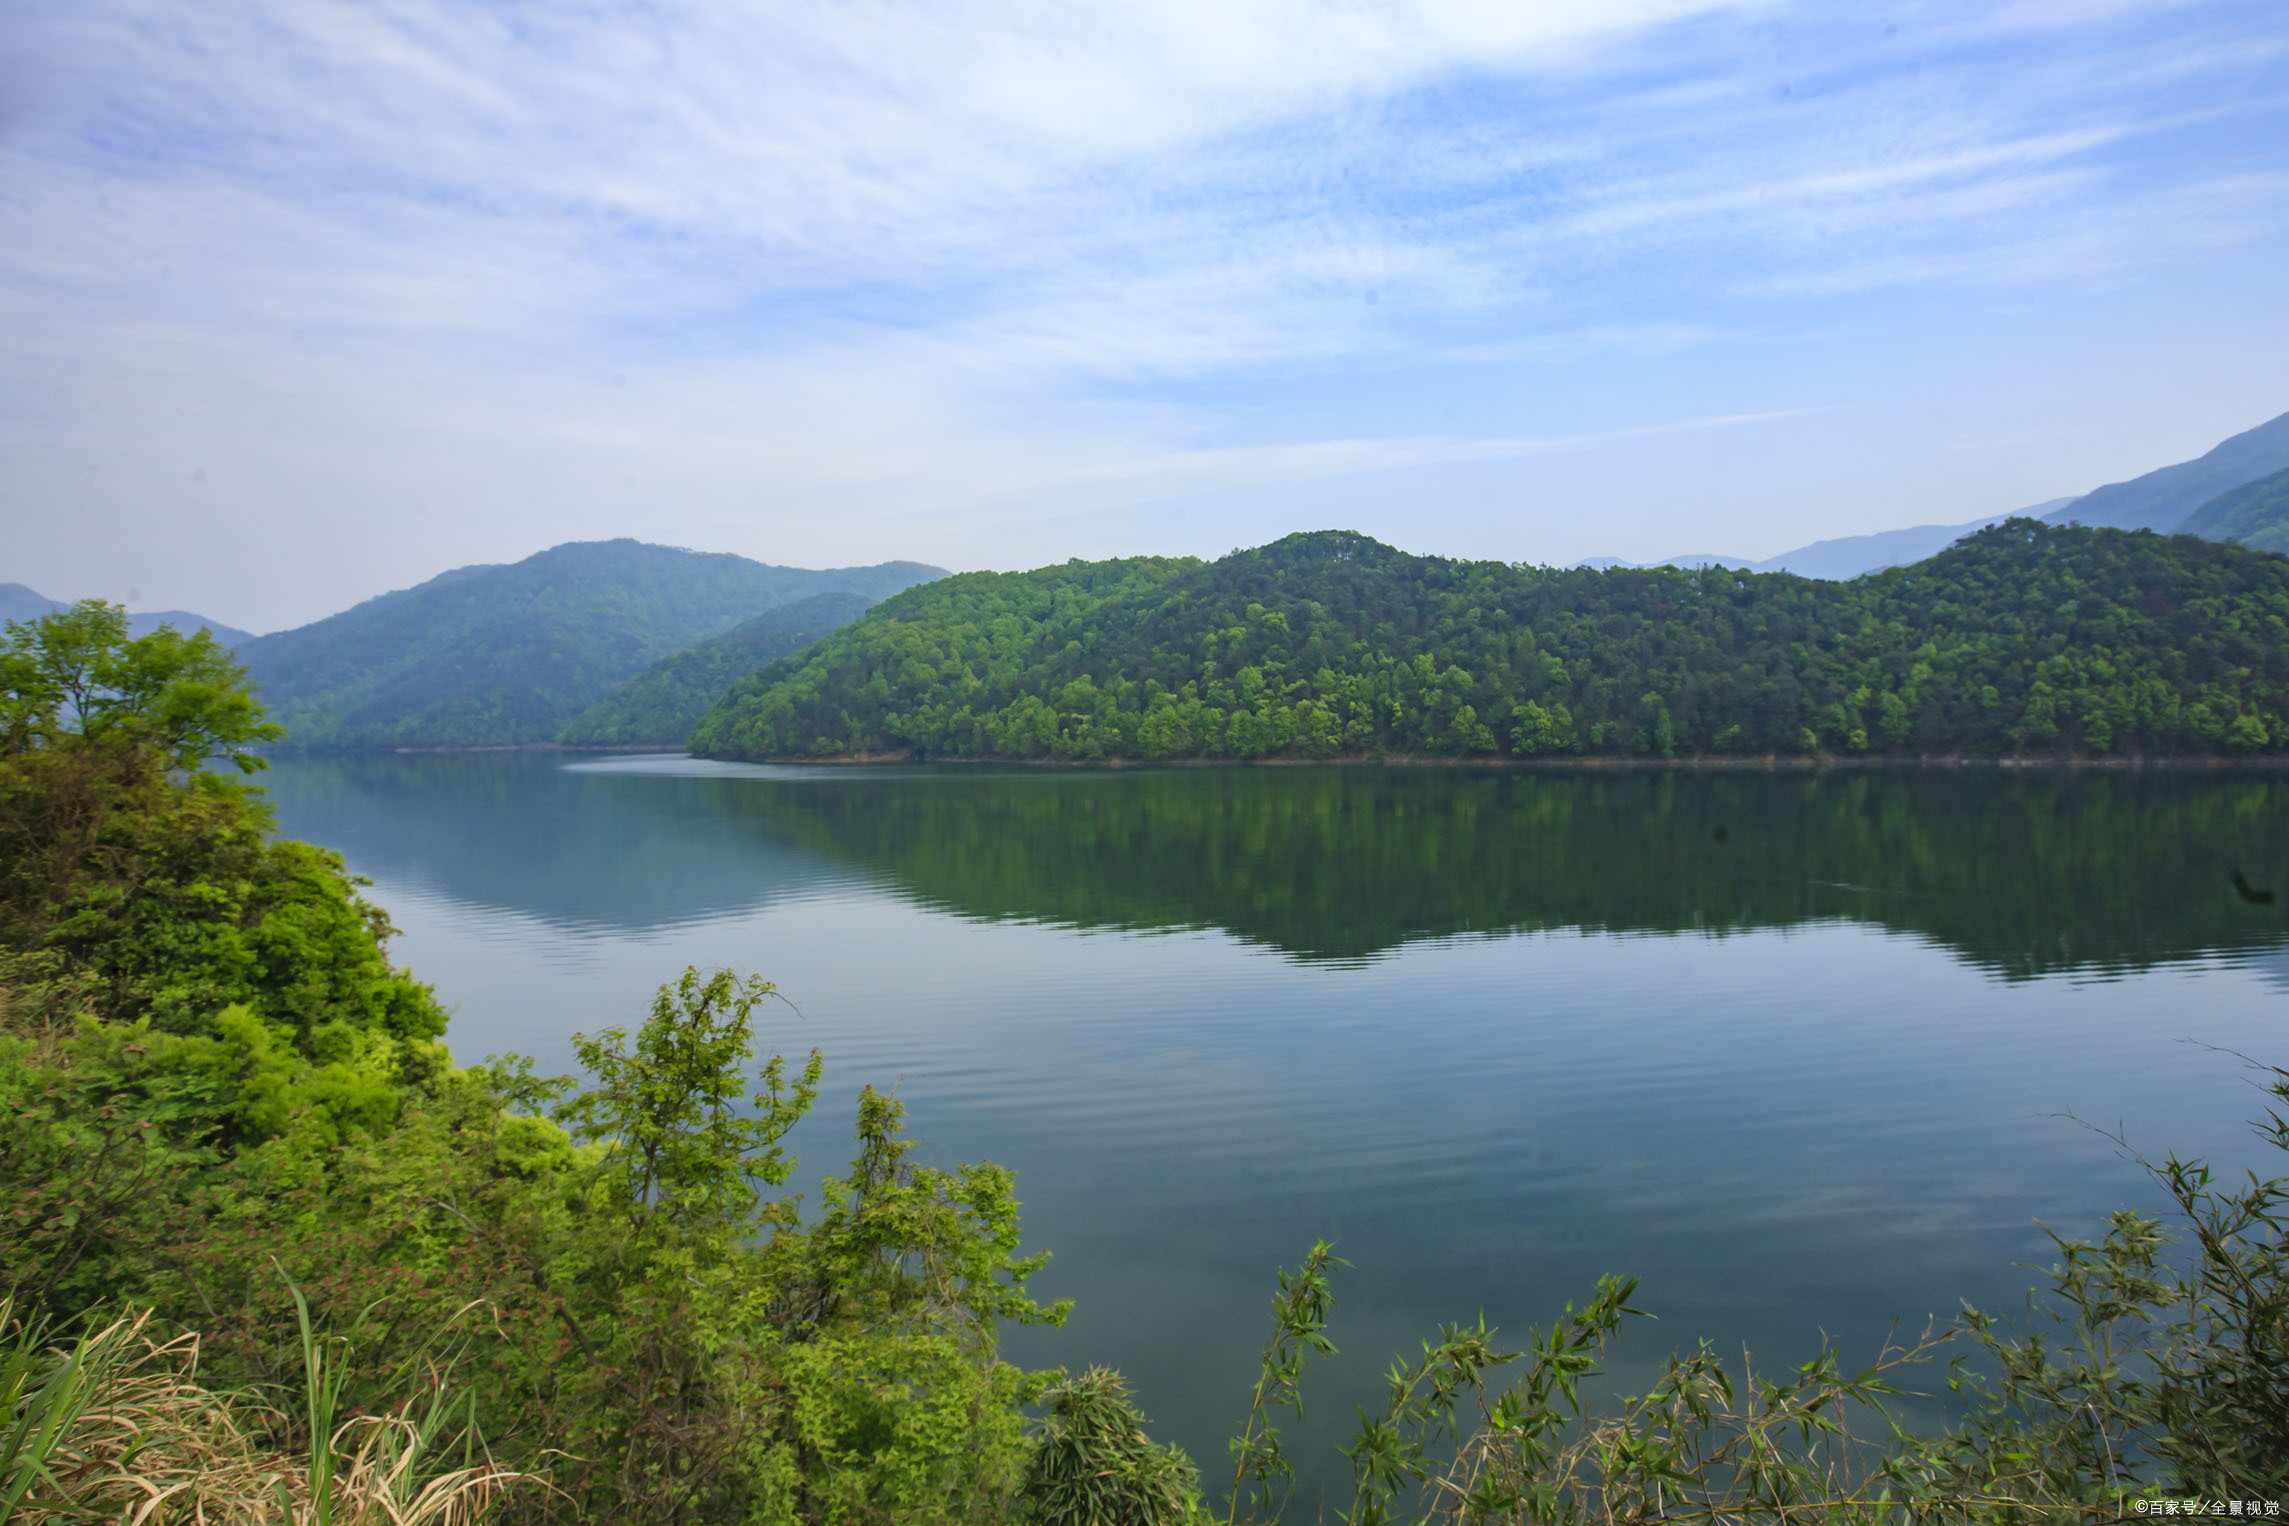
2256, 514
507, 654
659, 706
2023, 639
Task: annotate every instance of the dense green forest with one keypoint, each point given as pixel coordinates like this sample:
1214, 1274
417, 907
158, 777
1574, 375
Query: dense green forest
502, 655
659, 706
2024, 639
2256, 514
429, 1293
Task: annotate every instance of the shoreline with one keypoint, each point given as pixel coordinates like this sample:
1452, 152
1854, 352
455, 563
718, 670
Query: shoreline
1698, 762
395, 750
1765, 763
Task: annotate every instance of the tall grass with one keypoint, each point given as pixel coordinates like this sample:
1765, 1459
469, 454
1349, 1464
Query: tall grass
114, 1425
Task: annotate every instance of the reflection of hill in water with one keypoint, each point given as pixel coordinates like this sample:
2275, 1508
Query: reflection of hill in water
2022, 873
517, 832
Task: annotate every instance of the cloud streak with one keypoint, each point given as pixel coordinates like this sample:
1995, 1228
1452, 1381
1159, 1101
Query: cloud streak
426, 282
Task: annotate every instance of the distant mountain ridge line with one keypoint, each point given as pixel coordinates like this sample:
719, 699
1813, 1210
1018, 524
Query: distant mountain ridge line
2024, 640
506, 654
2253, 514
621, 643
2168, 499
18, 602
1843, 557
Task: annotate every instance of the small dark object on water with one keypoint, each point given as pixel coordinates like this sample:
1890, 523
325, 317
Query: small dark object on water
1721, 835
2251, 893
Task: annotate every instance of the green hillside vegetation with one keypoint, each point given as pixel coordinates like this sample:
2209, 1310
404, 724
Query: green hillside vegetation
217, 1096
659, 706
2024, 639
2165, 499
507, 655
2256, 514
431, 1293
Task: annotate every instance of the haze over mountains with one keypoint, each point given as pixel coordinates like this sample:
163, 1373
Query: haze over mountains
20, 603
2164, 500
2255, 514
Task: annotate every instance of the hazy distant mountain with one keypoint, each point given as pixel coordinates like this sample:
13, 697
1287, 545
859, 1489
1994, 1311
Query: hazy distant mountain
1847, 556
1693, 559
505, 654
2162, 500
2255, 514
659, 706
20, 603
143, 622
2165, 499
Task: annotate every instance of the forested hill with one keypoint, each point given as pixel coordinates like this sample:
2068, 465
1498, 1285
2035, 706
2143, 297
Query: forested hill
2023, 639
659, 706
498, 655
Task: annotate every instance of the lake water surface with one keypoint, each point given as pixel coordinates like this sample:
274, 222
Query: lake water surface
1798, 1050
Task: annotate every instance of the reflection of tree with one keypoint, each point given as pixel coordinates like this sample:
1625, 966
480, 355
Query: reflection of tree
515, 831
2023, 874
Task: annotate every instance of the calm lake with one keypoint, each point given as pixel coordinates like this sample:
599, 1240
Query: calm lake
1798, 1050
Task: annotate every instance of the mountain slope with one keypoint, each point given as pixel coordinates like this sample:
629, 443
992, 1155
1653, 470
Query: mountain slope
500, 655
2253, 514
2163, 499
144, 622
2024, 638
659, 706
20, 603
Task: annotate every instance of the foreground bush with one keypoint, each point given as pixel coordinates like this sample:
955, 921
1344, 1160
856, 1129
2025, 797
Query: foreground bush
2156, 1368
217, 1091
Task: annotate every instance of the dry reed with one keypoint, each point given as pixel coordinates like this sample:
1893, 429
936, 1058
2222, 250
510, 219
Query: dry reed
118, 1428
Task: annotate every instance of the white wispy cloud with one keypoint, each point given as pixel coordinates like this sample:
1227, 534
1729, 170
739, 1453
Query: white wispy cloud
807, 274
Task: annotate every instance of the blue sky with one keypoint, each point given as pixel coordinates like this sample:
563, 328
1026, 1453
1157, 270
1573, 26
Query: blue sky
302, 300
